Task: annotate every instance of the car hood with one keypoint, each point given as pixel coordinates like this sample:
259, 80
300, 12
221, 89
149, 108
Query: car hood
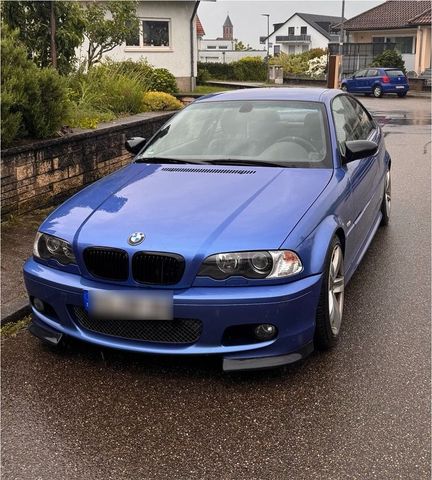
190, 210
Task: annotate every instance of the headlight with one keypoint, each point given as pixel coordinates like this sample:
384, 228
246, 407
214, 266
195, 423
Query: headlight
49, 247
271, 264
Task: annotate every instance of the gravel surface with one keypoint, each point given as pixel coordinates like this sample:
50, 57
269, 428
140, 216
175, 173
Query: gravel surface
361, 411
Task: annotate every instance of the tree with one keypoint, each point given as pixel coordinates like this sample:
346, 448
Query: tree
107, 25
389, 59
241, 47
50, 31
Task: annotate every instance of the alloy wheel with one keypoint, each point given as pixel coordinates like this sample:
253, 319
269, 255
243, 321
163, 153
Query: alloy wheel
377, 92
336, 287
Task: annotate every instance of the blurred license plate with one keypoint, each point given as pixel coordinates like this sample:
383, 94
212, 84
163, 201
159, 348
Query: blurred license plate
131, 305
400, 86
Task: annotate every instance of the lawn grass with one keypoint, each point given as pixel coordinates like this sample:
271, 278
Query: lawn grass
205, 89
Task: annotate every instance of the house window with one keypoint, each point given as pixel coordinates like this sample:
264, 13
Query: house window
151, 33
222, 47
305, 48
303, 30
291, 49
211, 47
156, 33
290, 30
402, 44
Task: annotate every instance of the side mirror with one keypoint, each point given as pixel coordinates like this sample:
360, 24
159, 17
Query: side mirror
356, 149
135, 144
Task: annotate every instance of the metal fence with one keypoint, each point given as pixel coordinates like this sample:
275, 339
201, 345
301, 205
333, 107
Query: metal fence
358, 55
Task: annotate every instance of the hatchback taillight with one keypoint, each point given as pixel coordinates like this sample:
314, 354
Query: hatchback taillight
385, 79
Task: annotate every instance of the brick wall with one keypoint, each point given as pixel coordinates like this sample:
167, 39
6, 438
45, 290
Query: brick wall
46, 172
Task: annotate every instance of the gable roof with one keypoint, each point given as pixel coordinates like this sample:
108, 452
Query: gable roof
322, 23
199, 28
390, 14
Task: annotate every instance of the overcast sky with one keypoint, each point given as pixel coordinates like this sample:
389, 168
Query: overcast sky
249, 25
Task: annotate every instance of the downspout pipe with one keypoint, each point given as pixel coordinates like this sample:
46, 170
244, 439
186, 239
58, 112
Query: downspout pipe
192, 43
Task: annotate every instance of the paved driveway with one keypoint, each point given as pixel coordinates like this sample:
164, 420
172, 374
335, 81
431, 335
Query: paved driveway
361, 411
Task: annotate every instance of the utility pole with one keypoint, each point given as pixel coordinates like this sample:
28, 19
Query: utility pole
268, 44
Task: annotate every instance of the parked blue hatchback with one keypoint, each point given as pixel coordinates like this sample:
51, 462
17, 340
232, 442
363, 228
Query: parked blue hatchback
377, 81
233, 232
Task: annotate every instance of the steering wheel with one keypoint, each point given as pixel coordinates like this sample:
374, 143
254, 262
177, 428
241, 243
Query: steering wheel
307, 144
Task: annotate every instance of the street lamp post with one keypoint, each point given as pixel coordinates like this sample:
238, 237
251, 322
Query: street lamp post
341, 38
268, 44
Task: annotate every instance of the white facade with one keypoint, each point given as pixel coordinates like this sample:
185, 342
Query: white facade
177, 22
299, 35
228, 56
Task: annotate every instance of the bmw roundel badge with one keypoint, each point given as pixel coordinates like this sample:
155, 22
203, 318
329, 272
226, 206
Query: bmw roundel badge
136, 238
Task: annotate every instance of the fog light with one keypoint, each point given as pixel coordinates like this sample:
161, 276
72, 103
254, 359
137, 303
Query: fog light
38, 304
265, 331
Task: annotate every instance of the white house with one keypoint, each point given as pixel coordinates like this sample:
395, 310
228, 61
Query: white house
302, 32
222, 49
167, 38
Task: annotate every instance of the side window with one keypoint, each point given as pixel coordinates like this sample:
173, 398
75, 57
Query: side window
372, 73
352, 122
360, 73
365, 123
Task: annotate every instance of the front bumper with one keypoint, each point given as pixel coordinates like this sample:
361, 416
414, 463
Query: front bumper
291, 307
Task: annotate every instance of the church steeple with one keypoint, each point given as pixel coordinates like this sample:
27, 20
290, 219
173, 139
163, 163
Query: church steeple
228, 29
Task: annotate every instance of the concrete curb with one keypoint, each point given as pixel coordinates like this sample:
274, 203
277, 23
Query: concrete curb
14, 311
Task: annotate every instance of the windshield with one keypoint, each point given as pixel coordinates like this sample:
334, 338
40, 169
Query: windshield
282, 133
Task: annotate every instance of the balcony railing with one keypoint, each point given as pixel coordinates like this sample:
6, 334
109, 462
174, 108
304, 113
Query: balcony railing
293, 39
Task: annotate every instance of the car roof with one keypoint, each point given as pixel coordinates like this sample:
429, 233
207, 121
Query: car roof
275, 93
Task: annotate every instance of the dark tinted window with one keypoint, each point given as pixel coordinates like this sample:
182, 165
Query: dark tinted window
395, 73
352, 122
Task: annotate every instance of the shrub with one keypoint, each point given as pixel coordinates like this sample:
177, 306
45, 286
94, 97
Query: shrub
14, 64
218, 71
47, 106
297, 64
250, 68
203, 75
317, 67
156, 101
139, 70
33, 101
389, 59
162, 80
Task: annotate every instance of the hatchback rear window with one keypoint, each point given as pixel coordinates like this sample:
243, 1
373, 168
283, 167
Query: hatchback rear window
394, 73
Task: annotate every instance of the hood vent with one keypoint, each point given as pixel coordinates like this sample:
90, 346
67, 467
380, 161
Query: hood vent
209, 170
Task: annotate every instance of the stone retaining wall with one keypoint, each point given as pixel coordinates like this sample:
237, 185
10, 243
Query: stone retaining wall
46, 172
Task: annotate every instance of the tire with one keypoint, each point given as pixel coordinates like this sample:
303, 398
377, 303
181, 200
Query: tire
401, 94
377, 91
330, 305
386, 201
344, 88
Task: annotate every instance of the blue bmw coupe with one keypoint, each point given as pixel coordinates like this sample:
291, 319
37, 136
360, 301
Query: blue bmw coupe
233, 232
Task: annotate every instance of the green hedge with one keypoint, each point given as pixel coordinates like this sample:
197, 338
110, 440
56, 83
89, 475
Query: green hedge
246, 69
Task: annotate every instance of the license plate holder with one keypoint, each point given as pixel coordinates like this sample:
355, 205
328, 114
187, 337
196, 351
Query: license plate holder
120, 305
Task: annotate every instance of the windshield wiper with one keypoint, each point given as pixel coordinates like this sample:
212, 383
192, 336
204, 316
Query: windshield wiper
168, 160
257, 163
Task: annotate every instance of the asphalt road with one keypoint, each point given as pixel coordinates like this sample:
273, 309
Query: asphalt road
361, 411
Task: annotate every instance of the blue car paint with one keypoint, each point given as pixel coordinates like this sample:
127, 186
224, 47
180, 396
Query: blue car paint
366, 84
197, 215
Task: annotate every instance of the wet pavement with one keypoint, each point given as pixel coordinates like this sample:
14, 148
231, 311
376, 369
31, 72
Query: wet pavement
361, 411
